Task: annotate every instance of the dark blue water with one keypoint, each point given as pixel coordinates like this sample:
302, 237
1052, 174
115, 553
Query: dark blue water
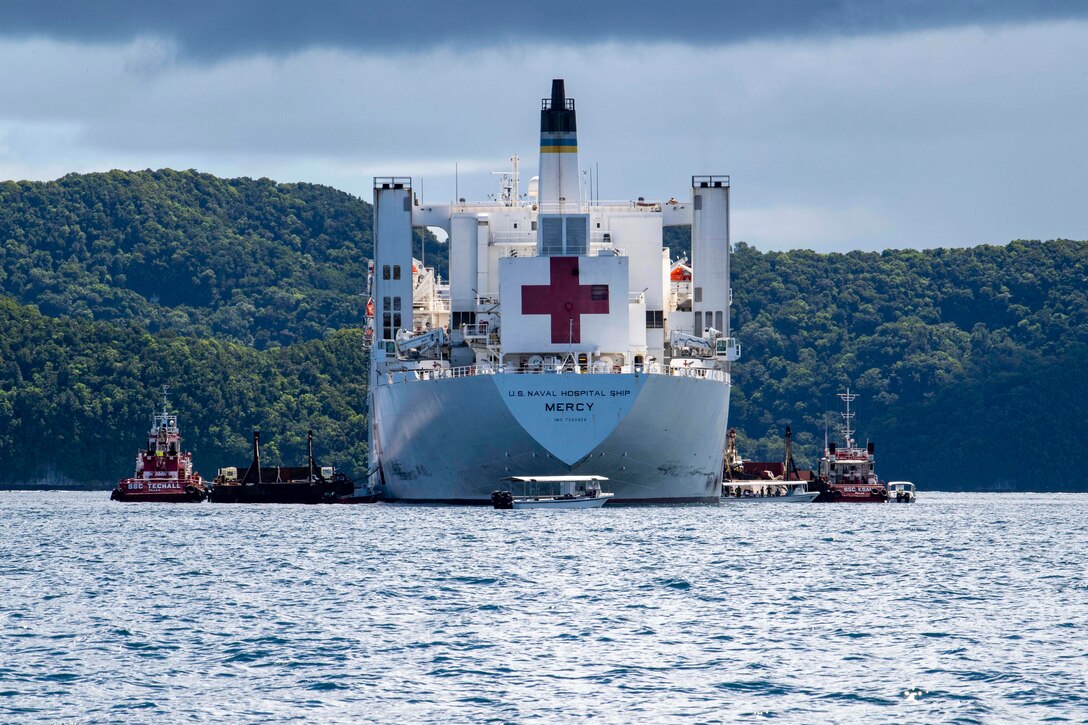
967, 607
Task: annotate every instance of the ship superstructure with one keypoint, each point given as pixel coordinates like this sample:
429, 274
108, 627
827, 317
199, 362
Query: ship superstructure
566, 341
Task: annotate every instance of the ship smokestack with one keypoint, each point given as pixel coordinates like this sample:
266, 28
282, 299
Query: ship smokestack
559, 93
558, 152
563, 229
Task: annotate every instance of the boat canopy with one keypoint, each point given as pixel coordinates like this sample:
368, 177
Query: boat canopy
553, 479
761, 482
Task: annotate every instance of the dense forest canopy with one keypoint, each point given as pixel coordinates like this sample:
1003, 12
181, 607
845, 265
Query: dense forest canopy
962, 357
76, 396
246, 296
242, 259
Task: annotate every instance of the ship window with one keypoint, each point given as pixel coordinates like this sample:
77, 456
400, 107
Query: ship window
655, 319
385, 271
533, 226
396, 271
396, 304
515, 225
718, 321
598, 292
396, 321
387, 327
598, 225
463, 318
698, 323
387, 303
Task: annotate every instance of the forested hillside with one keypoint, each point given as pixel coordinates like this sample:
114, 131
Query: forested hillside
76, 397
244, 259
244, 296
972, 363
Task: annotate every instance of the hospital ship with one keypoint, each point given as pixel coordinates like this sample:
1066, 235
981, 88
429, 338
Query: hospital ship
565, 341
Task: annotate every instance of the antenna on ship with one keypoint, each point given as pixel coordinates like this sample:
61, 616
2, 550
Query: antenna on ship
847, 431
509, 182
515, 191
570, 339
164, 389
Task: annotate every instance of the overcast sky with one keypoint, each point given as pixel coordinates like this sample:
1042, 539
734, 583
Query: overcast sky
853, 124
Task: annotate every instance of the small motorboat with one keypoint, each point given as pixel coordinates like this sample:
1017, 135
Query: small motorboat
902, 492
768, 491
551, 492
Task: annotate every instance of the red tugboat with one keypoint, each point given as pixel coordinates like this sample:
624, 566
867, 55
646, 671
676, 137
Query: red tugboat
164, 472
847, 474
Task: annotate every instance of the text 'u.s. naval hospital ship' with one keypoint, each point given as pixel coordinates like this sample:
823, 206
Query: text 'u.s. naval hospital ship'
565, 342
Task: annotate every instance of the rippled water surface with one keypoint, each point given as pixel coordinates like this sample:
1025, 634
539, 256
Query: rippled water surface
967, 607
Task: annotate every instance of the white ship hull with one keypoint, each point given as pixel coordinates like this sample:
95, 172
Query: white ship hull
657, 438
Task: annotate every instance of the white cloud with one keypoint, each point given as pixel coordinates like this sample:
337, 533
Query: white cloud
940, 137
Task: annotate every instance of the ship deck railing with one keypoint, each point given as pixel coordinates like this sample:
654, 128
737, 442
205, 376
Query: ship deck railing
524, 244
467, 371
431, 305
582, 207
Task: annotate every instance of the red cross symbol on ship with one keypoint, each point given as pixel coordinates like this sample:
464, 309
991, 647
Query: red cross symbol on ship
565, 300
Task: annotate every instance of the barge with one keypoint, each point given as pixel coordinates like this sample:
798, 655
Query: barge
309, 484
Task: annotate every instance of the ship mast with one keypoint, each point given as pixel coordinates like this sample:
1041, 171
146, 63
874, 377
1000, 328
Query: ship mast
847, 431
509, 183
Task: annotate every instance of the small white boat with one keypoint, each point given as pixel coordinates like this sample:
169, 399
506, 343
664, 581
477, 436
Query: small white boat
767, 491
552, 492
902, 492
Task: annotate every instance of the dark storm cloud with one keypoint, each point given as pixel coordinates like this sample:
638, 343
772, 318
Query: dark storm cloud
214, 28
